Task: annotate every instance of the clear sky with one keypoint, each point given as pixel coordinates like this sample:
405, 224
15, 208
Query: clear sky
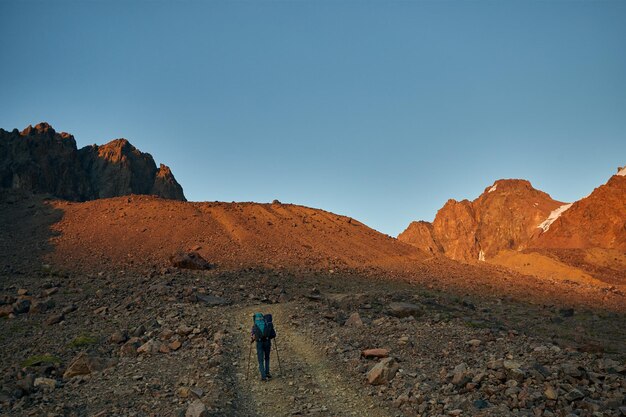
378, 110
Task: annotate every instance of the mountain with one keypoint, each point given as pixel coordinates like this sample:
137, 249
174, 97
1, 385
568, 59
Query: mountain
504, 216
513, 225
40, 160
598, 220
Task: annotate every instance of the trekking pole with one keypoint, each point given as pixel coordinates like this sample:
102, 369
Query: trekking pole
248, 367
278, 357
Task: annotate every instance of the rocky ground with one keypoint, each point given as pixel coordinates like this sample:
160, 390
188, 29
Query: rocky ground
130, 338
175, 343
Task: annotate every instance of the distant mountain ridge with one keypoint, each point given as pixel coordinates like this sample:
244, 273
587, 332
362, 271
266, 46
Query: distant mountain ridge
514, 225
41, 160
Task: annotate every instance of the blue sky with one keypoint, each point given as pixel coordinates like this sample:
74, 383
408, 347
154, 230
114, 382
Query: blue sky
379, 110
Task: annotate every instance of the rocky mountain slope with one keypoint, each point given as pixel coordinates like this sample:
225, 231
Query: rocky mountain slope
504, 216
515, 226
40, 160
147, 231
596, 221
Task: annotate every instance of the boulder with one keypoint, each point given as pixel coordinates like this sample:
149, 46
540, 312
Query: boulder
383, 372
151, 346
54, 319
375, 353
130, 347
41, 306
550, 393
174, 345
6, 310
189, 260
120, 336
47, 383
400, 309
197, 409
83, 364
21, 306
574, 395
354, 320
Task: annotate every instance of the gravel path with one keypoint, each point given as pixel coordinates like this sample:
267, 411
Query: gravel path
309, 384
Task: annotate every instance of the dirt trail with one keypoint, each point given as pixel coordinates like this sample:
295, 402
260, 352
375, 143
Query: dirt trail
309, 384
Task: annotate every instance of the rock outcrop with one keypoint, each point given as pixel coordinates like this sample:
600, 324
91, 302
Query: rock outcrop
40, 160
421, 234
504, 216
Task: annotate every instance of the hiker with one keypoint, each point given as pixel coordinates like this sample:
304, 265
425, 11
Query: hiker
263, 333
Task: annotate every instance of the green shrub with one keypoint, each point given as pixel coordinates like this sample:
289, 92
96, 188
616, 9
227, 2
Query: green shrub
40, 360
83, 340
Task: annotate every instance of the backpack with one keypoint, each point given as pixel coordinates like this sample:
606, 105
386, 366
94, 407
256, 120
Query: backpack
262, 331
271, 333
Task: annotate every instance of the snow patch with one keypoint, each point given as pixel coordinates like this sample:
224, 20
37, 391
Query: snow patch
492, 189
622, 172
545, 225
481, 256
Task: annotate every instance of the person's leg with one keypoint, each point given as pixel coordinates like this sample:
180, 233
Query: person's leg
268, 351
260, 353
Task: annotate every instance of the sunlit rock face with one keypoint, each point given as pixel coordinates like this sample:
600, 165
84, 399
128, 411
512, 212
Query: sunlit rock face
598, 220
505, 216
40, 160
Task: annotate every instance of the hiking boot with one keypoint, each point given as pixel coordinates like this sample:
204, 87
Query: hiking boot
263, 379
269, 375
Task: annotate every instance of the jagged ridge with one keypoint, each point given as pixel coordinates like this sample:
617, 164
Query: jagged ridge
40, 160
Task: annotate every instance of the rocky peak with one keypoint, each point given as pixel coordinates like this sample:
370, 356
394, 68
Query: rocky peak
40, 160
504, 216
42, 128
166, 185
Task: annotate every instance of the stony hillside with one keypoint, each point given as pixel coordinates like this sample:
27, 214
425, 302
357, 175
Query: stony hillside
40, 160
504, 216
147, 230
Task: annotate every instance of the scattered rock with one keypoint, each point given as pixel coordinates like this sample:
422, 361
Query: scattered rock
21, 306
47, 383
41, 306
151, 346
383, 372
550, 393
375, 353
474, 342
83, 364
175, 345
354, 320
574, 395
54, 319
130, 347
197, 409
119, 337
